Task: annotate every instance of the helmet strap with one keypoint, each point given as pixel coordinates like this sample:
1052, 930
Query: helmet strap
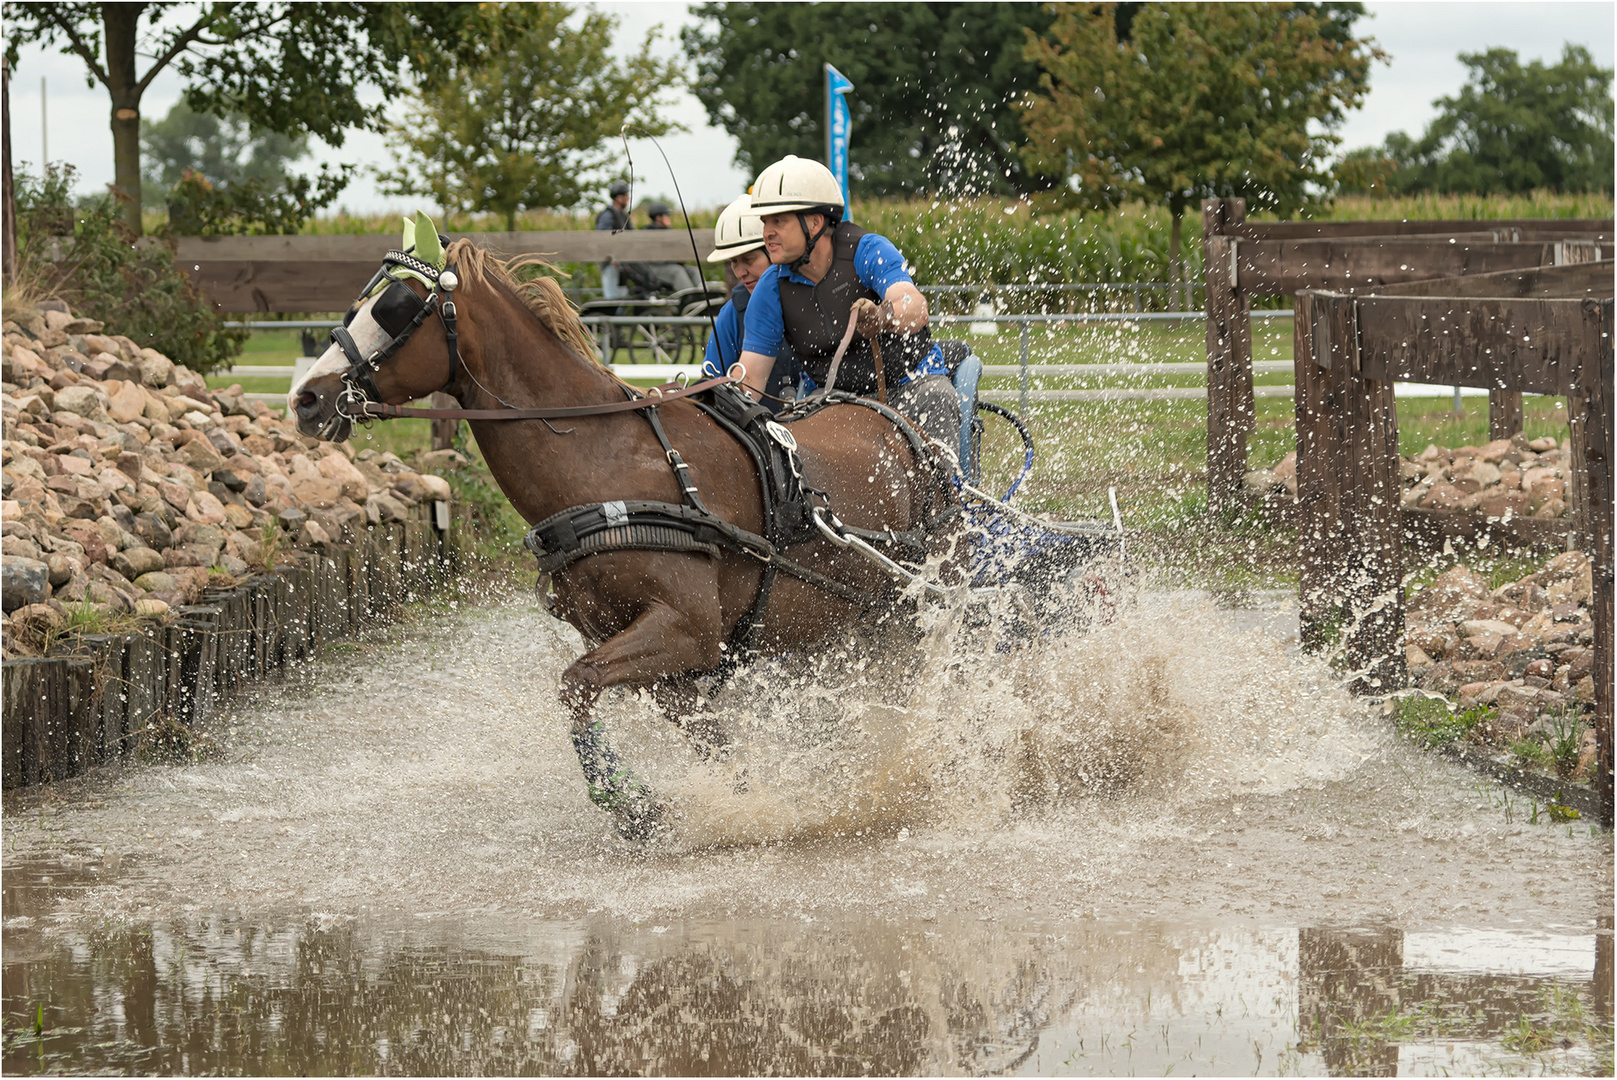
809, 243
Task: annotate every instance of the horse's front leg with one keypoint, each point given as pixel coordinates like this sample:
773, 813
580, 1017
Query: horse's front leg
663, 641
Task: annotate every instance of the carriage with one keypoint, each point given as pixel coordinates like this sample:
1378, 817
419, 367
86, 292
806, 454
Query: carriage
686, 528
639, 331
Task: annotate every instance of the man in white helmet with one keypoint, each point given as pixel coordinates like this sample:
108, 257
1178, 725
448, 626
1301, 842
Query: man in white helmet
738, 242
825, 272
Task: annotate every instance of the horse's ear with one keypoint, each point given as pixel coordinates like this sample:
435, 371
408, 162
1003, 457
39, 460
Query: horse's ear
407, 240
428, 248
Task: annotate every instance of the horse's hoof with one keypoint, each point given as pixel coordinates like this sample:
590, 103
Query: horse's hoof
641, 820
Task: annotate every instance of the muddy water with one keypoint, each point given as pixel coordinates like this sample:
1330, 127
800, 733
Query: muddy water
1168, 844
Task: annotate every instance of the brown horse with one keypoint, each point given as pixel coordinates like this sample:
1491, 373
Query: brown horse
652, 617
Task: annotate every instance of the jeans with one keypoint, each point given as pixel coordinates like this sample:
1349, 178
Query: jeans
930, 402
966, 377
611, 287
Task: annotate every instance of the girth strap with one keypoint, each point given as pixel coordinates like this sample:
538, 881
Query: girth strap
564, 538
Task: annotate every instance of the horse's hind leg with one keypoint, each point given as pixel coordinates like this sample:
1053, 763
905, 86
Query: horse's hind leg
662, 641
678, 697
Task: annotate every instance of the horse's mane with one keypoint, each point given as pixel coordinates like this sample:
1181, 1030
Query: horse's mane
542, 295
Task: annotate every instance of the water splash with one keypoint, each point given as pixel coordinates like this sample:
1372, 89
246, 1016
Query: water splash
1169, 702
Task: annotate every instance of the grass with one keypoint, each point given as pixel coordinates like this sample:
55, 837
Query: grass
1432, 722
1153, 452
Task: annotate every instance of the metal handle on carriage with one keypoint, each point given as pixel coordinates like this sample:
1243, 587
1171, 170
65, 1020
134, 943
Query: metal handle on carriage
869, 552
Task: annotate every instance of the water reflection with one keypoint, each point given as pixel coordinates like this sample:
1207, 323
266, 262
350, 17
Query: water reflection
320, 994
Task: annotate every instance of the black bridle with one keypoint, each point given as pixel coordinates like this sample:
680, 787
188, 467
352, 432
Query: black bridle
399, 312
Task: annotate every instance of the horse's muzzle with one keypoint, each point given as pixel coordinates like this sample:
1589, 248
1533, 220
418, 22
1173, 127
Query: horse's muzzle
315, 406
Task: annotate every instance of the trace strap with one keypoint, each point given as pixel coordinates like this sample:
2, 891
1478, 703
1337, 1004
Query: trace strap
658, 396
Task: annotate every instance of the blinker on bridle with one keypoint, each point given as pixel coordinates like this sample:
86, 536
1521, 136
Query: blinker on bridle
399, 312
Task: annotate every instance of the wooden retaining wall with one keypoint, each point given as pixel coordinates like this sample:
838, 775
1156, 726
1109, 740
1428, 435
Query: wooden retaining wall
97, 700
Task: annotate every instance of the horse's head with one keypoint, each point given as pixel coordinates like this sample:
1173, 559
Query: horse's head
390, 348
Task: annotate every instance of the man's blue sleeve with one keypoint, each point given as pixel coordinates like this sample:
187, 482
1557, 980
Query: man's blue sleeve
765, 327
724, 347
878, 263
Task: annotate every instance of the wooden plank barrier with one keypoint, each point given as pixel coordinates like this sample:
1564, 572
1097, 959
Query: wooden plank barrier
1351, 349
1241, 259
100, 702
311, 274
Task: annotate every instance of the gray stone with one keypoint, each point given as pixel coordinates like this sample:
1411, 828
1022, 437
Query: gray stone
81, 400
133, 562
23, 581
157, 581
153, 530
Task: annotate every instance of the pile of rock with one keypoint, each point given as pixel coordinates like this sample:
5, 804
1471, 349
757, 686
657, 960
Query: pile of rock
1517, 477
129, 485
1525, 649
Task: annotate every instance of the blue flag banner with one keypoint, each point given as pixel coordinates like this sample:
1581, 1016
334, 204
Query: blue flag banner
838, 126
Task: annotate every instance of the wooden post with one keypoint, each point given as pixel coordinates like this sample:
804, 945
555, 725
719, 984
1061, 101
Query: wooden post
1577, 488
1230, 406
1504, 413
1596, 387
1358, 575
1318, 500
443, 431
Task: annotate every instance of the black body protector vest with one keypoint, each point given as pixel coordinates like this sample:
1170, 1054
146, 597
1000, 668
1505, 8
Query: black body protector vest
815, 317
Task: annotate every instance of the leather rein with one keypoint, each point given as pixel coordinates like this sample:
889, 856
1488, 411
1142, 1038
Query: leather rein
360, 393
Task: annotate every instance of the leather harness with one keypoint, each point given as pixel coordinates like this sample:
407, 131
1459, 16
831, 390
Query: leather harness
564, 538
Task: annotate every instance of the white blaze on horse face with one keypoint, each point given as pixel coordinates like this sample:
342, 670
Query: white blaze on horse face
368, 336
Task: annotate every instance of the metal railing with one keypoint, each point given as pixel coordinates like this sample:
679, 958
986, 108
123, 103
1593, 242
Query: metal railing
664, 365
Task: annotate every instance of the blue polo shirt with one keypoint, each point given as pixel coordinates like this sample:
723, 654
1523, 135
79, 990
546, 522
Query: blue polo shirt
724, 344
877, 264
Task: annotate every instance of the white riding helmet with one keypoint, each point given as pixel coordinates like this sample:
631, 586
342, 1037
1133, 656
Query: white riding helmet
795, 183
738, 231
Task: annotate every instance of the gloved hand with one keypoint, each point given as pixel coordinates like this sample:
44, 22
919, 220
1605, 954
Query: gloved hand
873, 318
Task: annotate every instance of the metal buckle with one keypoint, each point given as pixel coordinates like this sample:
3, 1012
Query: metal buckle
352, 394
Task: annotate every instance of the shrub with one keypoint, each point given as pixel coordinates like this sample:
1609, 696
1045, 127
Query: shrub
251, 207
85, 254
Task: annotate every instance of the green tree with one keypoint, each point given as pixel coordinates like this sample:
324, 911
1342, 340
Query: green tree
934, 88
1200, 100
294, 68
528, 118
84, 251
224, 149
1514, 128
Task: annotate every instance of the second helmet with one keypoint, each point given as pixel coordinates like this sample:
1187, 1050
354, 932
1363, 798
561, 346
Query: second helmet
739, 230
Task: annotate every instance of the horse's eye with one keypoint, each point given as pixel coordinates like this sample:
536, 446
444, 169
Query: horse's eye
396, 308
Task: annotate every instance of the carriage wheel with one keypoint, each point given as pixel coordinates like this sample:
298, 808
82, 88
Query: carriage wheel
650, 343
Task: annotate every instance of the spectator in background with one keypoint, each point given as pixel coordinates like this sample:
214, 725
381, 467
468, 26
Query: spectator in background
613, 217
662, 278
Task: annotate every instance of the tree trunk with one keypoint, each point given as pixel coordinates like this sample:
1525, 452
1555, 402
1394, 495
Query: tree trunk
8, 227
118, 22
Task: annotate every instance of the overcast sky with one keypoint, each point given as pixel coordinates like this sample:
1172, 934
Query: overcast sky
1422, 40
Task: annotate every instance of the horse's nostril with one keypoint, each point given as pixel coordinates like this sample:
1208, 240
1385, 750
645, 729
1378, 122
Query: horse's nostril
307, 400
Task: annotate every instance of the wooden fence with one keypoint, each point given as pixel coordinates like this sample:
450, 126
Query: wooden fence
101, 698
1542, 331
1244, 259
322, 273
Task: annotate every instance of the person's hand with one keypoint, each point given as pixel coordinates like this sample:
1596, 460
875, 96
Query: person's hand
873, 318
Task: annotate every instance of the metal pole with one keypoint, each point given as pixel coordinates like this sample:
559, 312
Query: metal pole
1457, 409
1022, 407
